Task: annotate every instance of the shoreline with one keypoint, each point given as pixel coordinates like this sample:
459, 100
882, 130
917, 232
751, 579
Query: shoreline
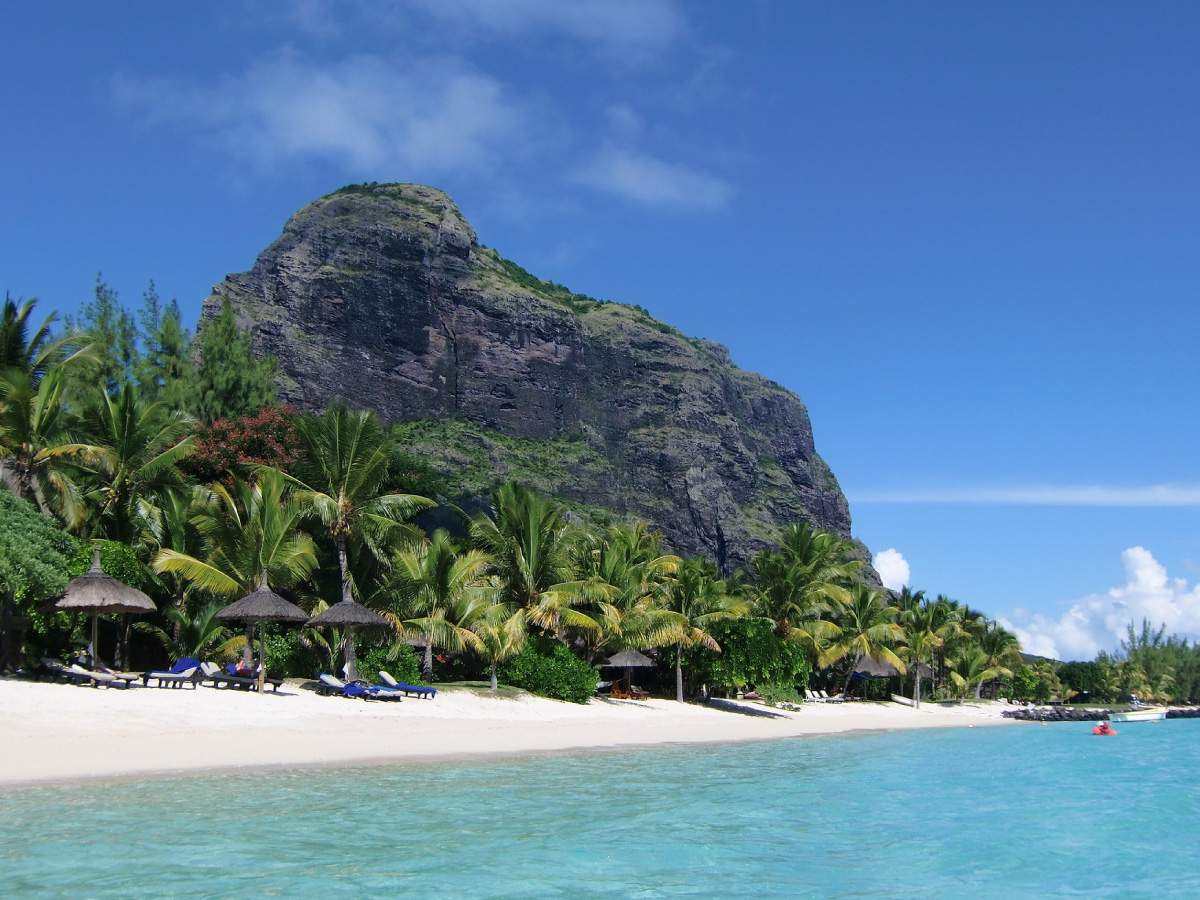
61, 734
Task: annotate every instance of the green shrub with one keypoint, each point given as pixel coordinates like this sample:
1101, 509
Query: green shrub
776, 694
405, 666
287, 657
116, 559
751, 653
549, 669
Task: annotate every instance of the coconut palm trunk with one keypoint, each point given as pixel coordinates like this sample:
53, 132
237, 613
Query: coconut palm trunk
679, 673
917, 685
262, 660
495, 682
248, 649
850, 675
427, 662
348, 636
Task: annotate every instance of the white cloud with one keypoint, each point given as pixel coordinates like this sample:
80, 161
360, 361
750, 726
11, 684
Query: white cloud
625, 27
371, 116
652, 182
892, 568
1083, 495
1099, 622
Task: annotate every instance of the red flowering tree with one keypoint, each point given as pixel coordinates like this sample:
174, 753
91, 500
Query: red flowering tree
269, 437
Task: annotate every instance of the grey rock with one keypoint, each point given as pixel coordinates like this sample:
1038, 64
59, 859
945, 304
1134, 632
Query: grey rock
382, 296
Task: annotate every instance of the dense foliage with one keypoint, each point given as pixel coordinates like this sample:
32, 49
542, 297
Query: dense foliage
751, 654
547, 667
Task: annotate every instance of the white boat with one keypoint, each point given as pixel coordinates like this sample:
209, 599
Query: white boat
1140, 714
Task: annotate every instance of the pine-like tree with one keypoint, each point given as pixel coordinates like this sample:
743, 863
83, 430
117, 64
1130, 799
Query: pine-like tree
109, 330
165, 371
231, 380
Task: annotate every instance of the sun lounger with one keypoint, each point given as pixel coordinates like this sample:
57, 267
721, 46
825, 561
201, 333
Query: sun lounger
186, 671
813, 696
390, 683
192, 676
56, 670
213, 673
231, 679
108, 679
331, 686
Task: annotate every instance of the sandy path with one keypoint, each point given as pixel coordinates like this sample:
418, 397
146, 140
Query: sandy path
53, 731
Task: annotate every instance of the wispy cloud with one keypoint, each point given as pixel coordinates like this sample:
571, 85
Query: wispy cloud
367, 114
1098, 622
628, 28
892, 568
651, 181
1083, 495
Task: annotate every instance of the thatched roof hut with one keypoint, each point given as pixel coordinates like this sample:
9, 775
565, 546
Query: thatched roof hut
878, 668
94, 592
348, 612
263, 605
875, 668
260, 605
628, 659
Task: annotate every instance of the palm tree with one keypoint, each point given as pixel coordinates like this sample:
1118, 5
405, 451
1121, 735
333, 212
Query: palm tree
908, 601
38, 455
197, 636
866, 628
698, 598
342, 480
165, 525
529, 542
1001, 649
922, 624
501, 631
622, 577
947, 624
136, 448
437, 593
33, 354
969, 670
252, 536
808, 576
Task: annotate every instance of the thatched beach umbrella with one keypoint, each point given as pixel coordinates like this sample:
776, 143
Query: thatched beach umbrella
628, 660
349, 614
97, 593
874, 668
263, 605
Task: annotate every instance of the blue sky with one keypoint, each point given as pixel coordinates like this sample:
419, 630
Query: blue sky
964, 234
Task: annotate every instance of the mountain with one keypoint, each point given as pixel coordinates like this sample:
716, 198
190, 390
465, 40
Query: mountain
381, 295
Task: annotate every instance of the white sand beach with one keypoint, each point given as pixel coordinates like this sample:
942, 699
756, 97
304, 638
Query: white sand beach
53, 732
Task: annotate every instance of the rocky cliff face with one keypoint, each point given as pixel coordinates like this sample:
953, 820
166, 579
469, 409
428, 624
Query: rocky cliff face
381, 295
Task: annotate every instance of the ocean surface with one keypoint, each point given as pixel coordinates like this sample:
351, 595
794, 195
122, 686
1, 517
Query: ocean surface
1019, 812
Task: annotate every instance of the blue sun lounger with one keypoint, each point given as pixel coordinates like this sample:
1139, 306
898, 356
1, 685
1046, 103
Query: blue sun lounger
409, 690
357, 690
186, 671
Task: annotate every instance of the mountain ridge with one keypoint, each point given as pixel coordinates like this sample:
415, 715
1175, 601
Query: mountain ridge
382, 296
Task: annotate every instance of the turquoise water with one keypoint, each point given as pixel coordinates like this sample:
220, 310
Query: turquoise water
1020, 812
